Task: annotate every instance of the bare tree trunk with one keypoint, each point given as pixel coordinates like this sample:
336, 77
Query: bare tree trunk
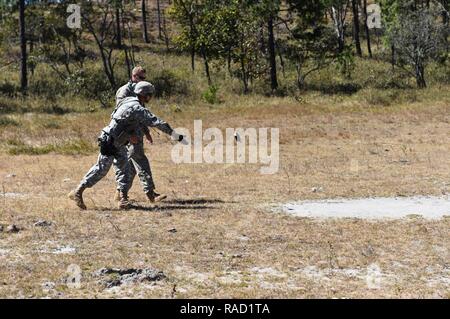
205, 60
393, 56
125, 49
32, 66
420, 76
166, 37
130, 36
338, 14
283, 69
229, 61
158, 7
300, 77
193, 59
144, 22
272, 57
244, 75
118, 28
355, 9
23, 48
366, 27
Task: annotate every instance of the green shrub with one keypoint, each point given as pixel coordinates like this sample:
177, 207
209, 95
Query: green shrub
381, 97
9, 89
55, 109
75, 147
210, 95
71, 147
30, 150
51, 125
5, 121
47, 86
167, 83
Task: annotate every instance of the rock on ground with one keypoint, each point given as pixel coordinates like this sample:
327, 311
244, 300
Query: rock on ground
118, 276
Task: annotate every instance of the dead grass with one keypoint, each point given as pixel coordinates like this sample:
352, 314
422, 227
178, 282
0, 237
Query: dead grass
227, 241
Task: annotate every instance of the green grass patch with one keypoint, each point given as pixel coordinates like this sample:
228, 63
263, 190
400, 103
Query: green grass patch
75, 147
5, 121
72, 147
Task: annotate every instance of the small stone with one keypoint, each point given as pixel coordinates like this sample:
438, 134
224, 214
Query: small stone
11, 175
316, 189
42, 223
49, 285
172, 230
1, 228
117, 276
12, 229
244, 238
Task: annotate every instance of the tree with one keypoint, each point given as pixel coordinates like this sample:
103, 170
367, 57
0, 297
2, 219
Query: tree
270, 9
23, 48
366, 27
312, 44
338, 11
158, 9
144, 21
118, 9
185, 13
418, 38
355, 10
99, 21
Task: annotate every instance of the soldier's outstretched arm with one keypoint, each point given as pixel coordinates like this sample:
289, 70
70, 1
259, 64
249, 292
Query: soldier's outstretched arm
149, 119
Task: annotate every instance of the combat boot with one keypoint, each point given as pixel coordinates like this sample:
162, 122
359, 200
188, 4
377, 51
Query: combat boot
154, 197
77, 196
123, 201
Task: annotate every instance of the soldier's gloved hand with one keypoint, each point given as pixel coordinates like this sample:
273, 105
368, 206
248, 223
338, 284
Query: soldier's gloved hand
179, 138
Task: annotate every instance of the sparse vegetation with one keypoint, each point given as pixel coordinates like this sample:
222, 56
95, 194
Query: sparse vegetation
216, 235
72, 147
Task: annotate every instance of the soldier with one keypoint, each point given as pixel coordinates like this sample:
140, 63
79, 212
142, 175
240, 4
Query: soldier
138, 160
129, 117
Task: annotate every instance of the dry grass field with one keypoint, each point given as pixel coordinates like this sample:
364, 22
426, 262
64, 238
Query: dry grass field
217, 234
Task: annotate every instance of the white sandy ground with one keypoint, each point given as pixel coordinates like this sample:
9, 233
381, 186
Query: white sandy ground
432, 208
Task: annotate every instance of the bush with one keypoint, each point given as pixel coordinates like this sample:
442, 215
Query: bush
381, 97
47, 86
167, 83
210, 95
55, 109
347, 88
72, 147
9, 89
5, 121
8, 105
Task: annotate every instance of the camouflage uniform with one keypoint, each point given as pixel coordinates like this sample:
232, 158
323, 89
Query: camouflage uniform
129, 118
138, 161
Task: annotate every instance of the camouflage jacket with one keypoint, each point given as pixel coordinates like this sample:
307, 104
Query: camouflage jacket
129, 118
123, 92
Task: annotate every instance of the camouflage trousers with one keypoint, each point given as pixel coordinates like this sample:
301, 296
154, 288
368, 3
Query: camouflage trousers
102, 167
138, 164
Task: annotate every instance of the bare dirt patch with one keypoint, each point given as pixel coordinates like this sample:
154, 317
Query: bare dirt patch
372, 208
